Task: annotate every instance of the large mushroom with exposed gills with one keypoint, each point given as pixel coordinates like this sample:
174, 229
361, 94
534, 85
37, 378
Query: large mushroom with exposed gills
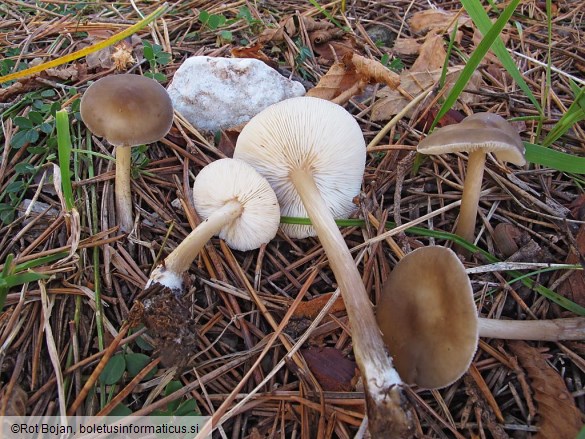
312, 152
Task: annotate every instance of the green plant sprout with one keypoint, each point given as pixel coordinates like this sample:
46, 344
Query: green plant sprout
64, 153
156, 56
12, 275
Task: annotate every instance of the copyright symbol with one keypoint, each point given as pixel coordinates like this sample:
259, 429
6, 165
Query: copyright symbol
15, 428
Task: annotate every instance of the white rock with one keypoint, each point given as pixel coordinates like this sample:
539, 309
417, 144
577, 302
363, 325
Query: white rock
217, 93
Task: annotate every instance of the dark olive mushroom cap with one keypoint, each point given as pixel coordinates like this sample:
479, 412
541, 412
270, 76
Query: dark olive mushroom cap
127, 109
428, 317
486, 131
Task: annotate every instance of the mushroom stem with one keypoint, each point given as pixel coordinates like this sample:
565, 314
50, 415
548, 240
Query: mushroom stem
381, 381
470, 196
179, 260
122, 193
542, 330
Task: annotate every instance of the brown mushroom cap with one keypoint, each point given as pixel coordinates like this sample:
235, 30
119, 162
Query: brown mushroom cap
428, 318
486, 131
127, 109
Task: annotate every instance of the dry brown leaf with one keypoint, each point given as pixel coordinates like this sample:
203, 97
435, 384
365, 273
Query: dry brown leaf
406, 46
100, 58
64, 73
253, 51
331, 368
432, 54
348, 78
559, 416
372, 71
391, 102
330, 49
228, 138
449, 118
291, 26
429, 19
338, 79
310, 308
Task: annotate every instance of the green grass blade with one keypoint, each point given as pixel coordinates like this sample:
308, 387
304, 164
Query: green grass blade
482, 21
64, 152
554, 159
23, 278
43, 260
478, 54
574, 114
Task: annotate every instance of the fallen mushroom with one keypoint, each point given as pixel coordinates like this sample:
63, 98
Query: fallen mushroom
429, 321
477, 134
237, 203
127, 110
313, 154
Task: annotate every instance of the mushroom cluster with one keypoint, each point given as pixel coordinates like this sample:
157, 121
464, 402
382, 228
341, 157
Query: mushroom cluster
127, 110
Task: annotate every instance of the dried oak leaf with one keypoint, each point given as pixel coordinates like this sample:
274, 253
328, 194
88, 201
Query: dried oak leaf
331, 368
391, 102
372, 71
406, 46
423, 21
349, 76
100, 58
332, 44
432, 54
254, 51
339, 78
559, 417
290, 26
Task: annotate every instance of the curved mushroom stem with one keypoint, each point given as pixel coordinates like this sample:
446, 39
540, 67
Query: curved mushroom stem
542, 330
470, 196
381, 381
122, 193
180, 259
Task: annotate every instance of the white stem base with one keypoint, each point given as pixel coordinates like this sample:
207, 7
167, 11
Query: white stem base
170, 272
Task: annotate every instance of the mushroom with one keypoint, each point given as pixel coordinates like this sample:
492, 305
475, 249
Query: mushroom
237, 203
313, 153
478, 134
429, 322
127, 110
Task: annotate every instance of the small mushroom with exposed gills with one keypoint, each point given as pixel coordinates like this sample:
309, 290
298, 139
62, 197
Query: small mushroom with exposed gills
477, 134
127, 110
429, 321
313, 153
237, 204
